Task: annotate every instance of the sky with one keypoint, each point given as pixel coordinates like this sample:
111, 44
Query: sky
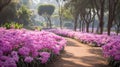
44, 1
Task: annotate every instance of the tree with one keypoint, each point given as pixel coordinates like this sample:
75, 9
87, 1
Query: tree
112, 13
46, 11
100, 8
83, 11
9, 13
60, 3
4, 3
117, 19
24, 15
67, 14
73, 5
87, 13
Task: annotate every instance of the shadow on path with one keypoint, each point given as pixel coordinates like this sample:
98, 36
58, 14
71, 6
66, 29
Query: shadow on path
71, 43
80, 55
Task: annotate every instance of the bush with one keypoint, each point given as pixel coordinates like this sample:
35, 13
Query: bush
13, 25
25, 48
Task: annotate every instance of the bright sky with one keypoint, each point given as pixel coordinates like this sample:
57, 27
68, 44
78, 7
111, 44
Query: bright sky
42, 1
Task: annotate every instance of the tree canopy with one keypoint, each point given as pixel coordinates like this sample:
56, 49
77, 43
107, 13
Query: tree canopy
46, 9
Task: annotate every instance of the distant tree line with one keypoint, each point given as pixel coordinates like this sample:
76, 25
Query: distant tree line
14, 11
85, 12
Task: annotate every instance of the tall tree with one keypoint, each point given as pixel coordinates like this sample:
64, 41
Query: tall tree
117, 19
46, 11
100, 8
4, 3
24, 15
9, 13
112, 13
74, 6
60, 3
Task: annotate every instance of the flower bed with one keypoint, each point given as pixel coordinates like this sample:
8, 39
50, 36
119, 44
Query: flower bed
88, 38
110, 44
24, 48
112, 51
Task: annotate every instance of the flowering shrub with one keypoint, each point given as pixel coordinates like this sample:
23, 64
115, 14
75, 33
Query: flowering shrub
112, 51
89, 38
20, 47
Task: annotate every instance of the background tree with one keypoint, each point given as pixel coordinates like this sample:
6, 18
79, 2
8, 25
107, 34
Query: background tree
9, 12
4, 3
46, 11
24, 15
87, 13
100, 9
112, 8
73, 5
82, 11
116, 22
60, 3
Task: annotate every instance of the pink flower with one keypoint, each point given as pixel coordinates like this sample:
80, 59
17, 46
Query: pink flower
10, 63
44, 57
28, 59
24, 51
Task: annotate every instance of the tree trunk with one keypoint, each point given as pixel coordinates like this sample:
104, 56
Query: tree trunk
87, 27
97, 30
112, 9
75, 23
79, 25
60, 22
102, 17
109, 26
93, 26
109, 18
49, 19
83, 26
60, 14
117, 31
5, 4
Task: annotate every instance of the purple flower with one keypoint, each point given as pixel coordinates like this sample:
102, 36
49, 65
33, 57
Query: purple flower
44, 57
10, 63
3, 58
15, 43
1, 52
14, 53
28, 59
15, 56
24, 51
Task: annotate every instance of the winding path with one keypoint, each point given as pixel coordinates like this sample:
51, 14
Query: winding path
80, 55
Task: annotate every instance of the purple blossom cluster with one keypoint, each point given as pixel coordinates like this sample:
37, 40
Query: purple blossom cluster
89, 38
110, 44
112, 49
27, 45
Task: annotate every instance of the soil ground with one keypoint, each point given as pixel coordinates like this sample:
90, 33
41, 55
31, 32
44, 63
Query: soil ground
80, 55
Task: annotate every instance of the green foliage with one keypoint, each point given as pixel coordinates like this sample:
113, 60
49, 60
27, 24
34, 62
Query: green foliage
9, 13
24, 15
13, 25
113, 62
67, 14
46, 9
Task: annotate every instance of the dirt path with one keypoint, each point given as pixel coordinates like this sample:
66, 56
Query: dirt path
80, 55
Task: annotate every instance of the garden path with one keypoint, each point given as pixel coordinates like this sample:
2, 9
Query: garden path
80, 55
